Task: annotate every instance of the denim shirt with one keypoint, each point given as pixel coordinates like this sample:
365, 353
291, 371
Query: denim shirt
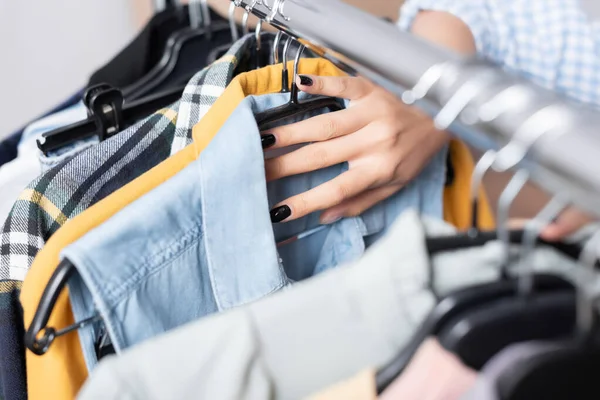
203, 242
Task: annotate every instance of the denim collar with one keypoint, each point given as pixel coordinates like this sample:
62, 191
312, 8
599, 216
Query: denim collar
242, 257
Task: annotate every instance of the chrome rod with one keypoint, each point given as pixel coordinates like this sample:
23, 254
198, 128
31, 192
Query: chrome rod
559, 137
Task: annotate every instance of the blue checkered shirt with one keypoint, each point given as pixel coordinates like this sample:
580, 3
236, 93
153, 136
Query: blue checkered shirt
555, 43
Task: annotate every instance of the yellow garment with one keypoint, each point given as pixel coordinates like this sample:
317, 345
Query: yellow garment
359, 387
457, 202
60, 373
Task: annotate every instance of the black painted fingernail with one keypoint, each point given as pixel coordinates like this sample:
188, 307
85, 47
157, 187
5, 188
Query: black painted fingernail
280, 213
267, 141
306, 80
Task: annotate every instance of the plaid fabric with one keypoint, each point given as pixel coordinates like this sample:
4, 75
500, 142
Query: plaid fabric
204, 89
69, 189
551, 42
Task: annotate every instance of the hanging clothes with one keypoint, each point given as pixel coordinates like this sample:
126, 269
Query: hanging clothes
321, 332
203, 239
273, 78
63, 368
144, 51
485, 388
14, 178
359, 387
9, 145
458, 209
433, 373
17, 174
62, 193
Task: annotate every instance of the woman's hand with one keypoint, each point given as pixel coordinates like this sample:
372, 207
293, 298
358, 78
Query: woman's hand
385, 142
568, 222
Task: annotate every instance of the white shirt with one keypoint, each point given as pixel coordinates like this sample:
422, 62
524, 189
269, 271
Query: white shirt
17, 174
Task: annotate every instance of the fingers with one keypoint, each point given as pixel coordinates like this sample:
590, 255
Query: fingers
345, 87
569, 222
517, 223
343, 187
359, 204
312, 157
316, 129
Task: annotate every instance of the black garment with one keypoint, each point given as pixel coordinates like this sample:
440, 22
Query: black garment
8, 147
143, 52
190, 62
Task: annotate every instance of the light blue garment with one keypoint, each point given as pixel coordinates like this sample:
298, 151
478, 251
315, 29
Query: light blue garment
203, 242
69, 115
31, 162
34, 131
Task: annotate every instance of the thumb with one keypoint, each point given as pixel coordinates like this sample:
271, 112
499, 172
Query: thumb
568, 222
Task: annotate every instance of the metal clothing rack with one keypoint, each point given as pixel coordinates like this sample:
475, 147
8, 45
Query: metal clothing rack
556, 140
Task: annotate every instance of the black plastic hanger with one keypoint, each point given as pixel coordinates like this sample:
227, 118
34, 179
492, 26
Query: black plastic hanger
570, 370
480, 333
285, 75
144, 51
472, 239
455, 310
294, 106
219, 51
107, 115
40, 343
183, 56
462, 308
452, 306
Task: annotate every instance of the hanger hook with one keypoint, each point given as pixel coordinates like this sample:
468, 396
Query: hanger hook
248, 9
505, 100
425, 83
276, 47
505, 201
513, 97
245, 29
235, 35
265, 3
257, 35
586, 314
510, 156
195, 12
481, 168
294, 94
285, 84
552, 118
532, 231
280, 9
206, 15
463, 97
274, 11
277, 9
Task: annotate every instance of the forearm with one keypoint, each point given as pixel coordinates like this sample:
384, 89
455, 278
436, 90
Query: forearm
444, 30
